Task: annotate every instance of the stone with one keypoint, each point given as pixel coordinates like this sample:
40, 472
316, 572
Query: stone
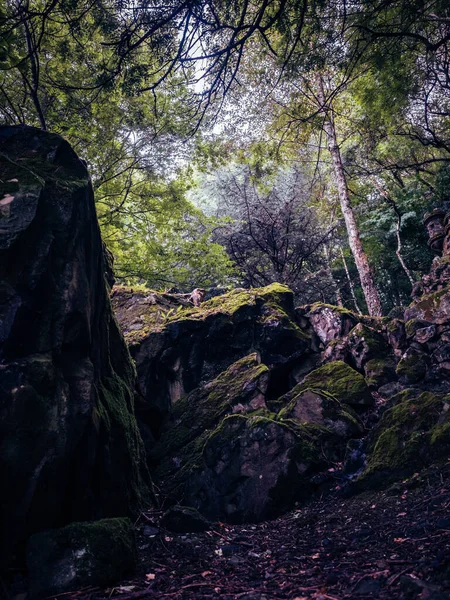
413, 365
341, 381
184, 519
320, 408
80, 554
366, 344
379, 372
330, 322
253, 467
239, 389
413, 433
69, 443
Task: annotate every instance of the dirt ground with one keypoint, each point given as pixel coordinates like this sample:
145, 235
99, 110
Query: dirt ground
389, 544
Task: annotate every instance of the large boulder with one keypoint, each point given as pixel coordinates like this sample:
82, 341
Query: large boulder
239, 389
253, 467
413, 433
69, 444
225, 454
340, 380
178, 347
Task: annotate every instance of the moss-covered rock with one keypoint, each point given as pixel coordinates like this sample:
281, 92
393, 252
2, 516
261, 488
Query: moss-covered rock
365, 344
239, 389
176, 349
80, 554
255, 467
432, 308
379, 371
412, 434
341, 381
319, 408
413, 365
330, 322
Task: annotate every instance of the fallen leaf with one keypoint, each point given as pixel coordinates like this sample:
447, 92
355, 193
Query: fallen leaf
205, 573
150, 576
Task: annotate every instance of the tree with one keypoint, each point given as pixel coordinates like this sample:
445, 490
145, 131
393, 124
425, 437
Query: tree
272, 234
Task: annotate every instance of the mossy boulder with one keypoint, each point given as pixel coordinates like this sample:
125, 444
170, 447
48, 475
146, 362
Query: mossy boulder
69, 443
412, 434
239, 389
413, 365
330, 322
379, 371
365, 343
178, 348
254, 467
80, 554
341, 381
320, 408
432, 308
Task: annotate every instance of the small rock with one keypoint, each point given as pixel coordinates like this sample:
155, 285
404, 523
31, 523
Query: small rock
368, 586
150, 531
184, 519
443, 523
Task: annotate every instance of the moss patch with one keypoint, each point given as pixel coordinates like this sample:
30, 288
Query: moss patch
341, 381
412, 434
157, 311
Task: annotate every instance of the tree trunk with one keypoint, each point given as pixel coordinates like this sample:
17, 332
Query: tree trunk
334, 284
350, 283
362, 263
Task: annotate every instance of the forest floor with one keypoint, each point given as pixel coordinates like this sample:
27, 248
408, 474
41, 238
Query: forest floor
389, 544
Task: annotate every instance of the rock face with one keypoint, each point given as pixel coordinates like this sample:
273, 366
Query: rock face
69, 445
246, 424
247, 403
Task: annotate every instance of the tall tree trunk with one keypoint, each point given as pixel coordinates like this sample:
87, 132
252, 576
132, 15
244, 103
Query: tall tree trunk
350, 283
334, 283
354, 239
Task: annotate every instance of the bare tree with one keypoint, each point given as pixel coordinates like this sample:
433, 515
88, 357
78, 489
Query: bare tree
275, 233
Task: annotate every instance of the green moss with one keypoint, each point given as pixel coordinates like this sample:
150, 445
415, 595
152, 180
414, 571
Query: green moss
114, 420
341, 381
374, 341
412, 434
277, 298
412, 367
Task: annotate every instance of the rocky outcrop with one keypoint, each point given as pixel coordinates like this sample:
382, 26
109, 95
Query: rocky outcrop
177, 348
69, 445
247, 402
